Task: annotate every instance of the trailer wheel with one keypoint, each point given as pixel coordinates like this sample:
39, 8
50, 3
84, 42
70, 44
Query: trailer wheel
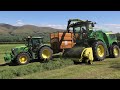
23, 58
114, 51
99, 50
45, 53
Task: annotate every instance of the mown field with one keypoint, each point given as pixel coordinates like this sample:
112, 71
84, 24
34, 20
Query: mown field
59, 68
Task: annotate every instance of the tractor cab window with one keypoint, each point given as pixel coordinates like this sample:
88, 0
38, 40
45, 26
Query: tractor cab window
76, 30
35, 41
83, 29
41, 40
79, 29
28, 42
112, 36
70, 29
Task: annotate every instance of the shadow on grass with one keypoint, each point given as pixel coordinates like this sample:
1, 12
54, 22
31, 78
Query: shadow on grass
115, 66
14, 64
5, 64
56, 56
32, 61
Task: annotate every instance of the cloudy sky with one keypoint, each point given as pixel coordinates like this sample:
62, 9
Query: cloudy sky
108, 20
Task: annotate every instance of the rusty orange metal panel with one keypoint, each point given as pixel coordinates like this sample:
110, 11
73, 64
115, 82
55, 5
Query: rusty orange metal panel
61, 40
66, 38
66, 44
66, 34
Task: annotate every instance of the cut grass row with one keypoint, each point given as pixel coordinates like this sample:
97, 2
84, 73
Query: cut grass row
107, 69
8, 72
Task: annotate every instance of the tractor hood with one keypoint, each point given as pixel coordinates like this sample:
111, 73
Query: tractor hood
14, 52
19, 49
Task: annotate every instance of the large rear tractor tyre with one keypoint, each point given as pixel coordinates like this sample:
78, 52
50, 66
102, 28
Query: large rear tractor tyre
114, 51
99, 50
45, 53
23, 58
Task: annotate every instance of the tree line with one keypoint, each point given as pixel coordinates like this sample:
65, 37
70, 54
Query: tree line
20, 38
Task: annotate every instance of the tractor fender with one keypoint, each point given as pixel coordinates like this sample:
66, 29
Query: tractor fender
25, 52
45, 46
101, 41
115, 43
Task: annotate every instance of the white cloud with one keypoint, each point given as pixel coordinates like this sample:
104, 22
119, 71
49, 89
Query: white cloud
19, 23
115, 25
56, 26
110, 27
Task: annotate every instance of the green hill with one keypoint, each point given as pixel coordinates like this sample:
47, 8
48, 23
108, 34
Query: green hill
10, 33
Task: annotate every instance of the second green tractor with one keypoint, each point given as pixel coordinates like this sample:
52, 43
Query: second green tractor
33, 49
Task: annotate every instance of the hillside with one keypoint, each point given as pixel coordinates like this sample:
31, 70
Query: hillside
17, 33
10, 33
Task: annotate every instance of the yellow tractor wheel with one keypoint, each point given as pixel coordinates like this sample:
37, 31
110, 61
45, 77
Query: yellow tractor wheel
23, 58
115, 51
45, 53
99, 50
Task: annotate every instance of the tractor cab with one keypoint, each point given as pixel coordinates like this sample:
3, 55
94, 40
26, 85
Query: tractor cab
33, 42
80, 28
83, 25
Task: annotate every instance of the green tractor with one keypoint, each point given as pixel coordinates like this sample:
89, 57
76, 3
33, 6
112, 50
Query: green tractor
33, 49
103, 44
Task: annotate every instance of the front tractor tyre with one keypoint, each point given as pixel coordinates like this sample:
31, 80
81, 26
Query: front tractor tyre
99, 50
45, 53
23, 58
114, 51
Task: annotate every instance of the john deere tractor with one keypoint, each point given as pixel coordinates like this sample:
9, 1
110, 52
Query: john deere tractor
33, 49
82, 41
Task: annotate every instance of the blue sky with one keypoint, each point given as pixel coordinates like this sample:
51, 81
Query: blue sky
109, 20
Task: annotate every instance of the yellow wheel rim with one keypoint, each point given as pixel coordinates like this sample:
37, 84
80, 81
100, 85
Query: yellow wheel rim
100, 51
23, 59
46, 54
115, 51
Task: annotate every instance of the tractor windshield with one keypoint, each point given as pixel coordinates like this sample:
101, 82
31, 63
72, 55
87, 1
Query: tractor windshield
33, 41
78, 29
28, 42
36, 41
80, 25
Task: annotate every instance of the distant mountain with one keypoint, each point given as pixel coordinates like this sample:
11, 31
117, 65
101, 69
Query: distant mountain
6, 28
7, 31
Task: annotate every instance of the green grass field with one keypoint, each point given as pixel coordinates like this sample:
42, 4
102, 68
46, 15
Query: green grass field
59, 68
107, 69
